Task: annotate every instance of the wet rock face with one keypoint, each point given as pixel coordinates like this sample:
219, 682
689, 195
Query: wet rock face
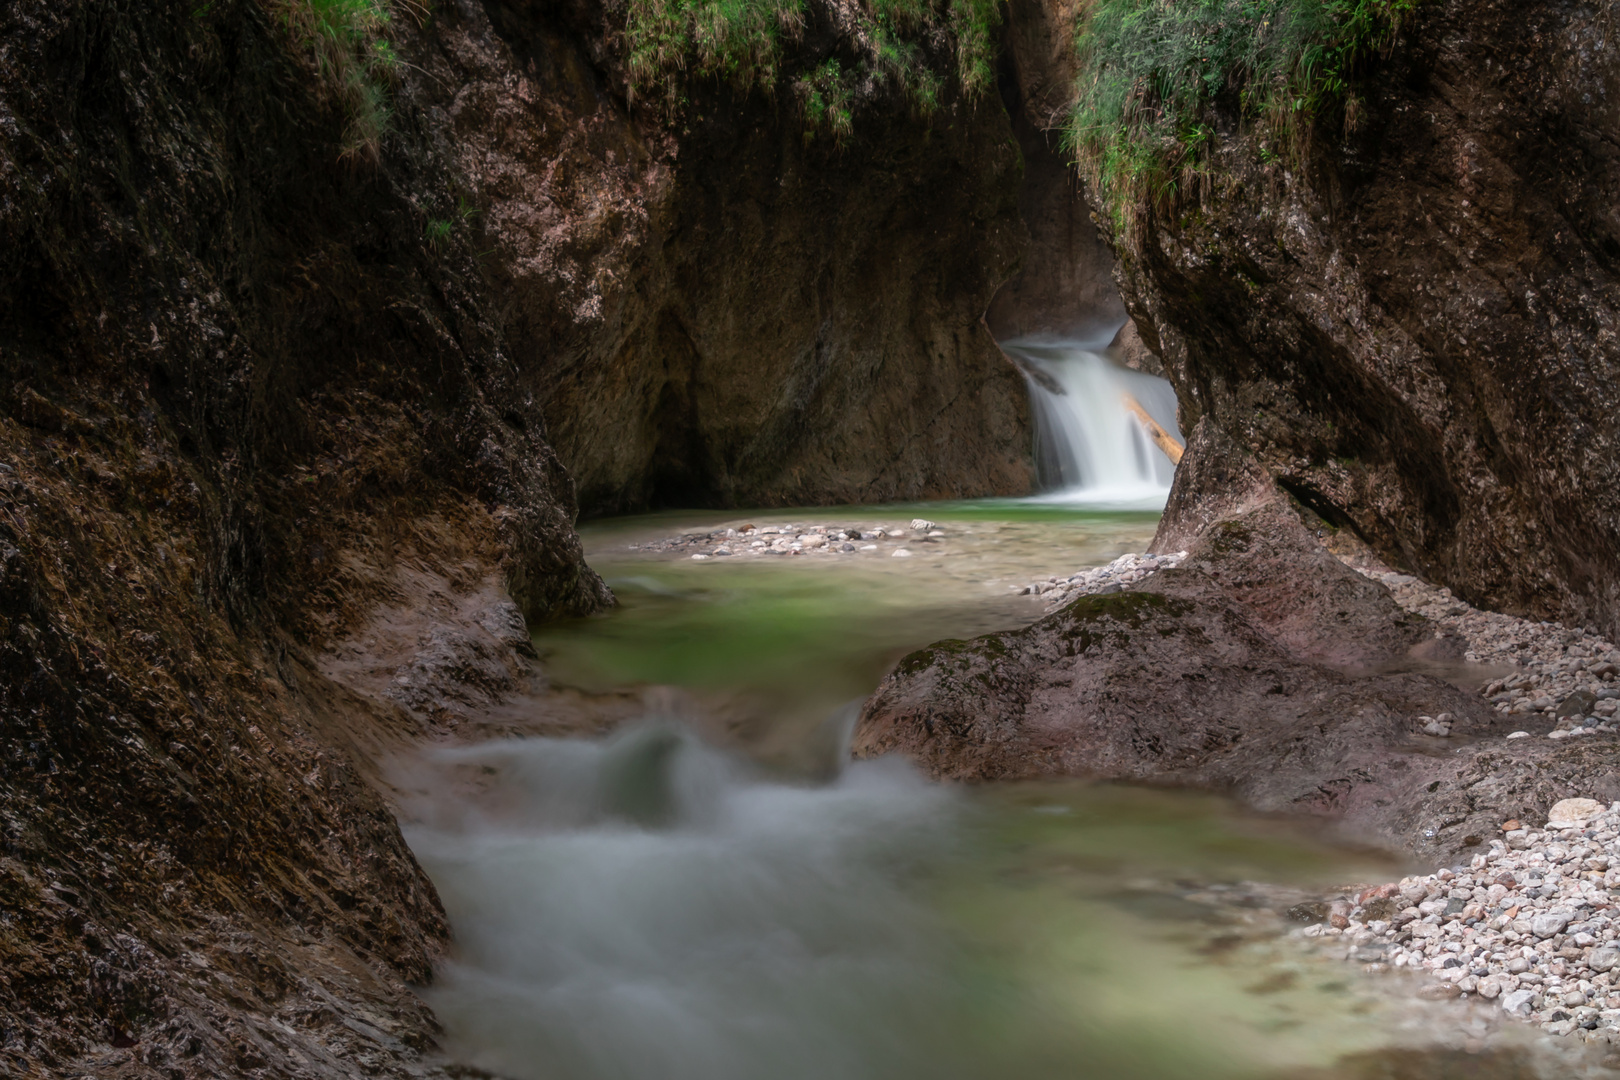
1414, 333
729, 312
1065, 284
1214, 673
243, 399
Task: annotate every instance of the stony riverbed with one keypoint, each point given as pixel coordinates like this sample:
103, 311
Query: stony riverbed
1565, 685
791, 539
1527, 931
1530, 925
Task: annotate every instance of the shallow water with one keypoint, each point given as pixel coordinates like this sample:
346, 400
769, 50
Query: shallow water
768, 649
658, 904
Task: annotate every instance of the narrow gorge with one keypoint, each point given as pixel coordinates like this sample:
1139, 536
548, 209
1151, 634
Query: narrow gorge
809, 538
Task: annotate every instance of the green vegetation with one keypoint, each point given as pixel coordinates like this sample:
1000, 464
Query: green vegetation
437, 231
355, 61
1155, 72
894, 43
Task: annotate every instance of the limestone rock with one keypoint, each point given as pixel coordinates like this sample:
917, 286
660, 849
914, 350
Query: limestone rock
1570, 812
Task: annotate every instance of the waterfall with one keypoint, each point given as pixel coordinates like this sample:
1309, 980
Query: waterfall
1089, 447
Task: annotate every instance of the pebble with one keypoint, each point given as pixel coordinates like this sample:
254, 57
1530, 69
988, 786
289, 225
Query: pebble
1532, 925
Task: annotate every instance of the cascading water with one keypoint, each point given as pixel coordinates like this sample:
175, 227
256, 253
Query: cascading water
646, 907
1090, 448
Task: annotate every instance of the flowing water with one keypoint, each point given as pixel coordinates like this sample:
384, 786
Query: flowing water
1090, 449
709, 893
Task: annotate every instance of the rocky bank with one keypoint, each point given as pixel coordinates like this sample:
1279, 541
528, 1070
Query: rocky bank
1412, 328
1528, 924
1258, 663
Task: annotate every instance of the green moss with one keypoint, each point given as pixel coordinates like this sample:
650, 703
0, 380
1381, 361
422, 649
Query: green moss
1231, 537
900, 44
952, 653
1155, 73
1108, 618
1132, 608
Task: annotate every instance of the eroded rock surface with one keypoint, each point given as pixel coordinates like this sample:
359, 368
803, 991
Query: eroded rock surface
1414, 332
246, 403
1217, 673
733, 310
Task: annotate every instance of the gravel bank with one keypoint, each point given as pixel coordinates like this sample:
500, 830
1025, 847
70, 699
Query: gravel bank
1123, 571
750, 541
1566, 683
1530, 925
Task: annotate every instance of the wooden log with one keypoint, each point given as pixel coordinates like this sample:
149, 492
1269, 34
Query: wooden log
1161, 438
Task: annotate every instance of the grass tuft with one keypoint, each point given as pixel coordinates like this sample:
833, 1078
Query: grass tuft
1154, 74
347, 40
894, 43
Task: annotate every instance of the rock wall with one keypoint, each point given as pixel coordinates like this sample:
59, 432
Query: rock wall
247, 397
735, 310
1065, 285
1414, 332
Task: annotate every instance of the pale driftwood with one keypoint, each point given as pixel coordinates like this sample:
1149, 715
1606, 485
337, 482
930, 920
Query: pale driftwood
1161, 438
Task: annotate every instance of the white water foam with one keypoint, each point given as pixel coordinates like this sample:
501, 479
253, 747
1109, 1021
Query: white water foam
646, 907
1090, 449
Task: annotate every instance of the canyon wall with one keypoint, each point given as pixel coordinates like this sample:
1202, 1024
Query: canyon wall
738, 308
1065, 285
278, 400
1414, 330
248, 399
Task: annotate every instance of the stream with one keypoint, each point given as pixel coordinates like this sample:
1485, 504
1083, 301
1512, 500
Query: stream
713, 893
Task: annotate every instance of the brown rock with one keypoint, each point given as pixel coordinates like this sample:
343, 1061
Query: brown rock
1411, 329
1438, 991
1211, 674
709, 313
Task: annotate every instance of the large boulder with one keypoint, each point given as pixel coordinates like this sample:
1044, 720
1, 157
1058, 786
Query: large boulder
1259, 667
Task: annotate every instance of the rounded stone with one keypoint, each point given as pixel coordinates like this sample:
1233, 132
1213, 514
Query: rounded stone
1550, 924
1603, 959
1571, 812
